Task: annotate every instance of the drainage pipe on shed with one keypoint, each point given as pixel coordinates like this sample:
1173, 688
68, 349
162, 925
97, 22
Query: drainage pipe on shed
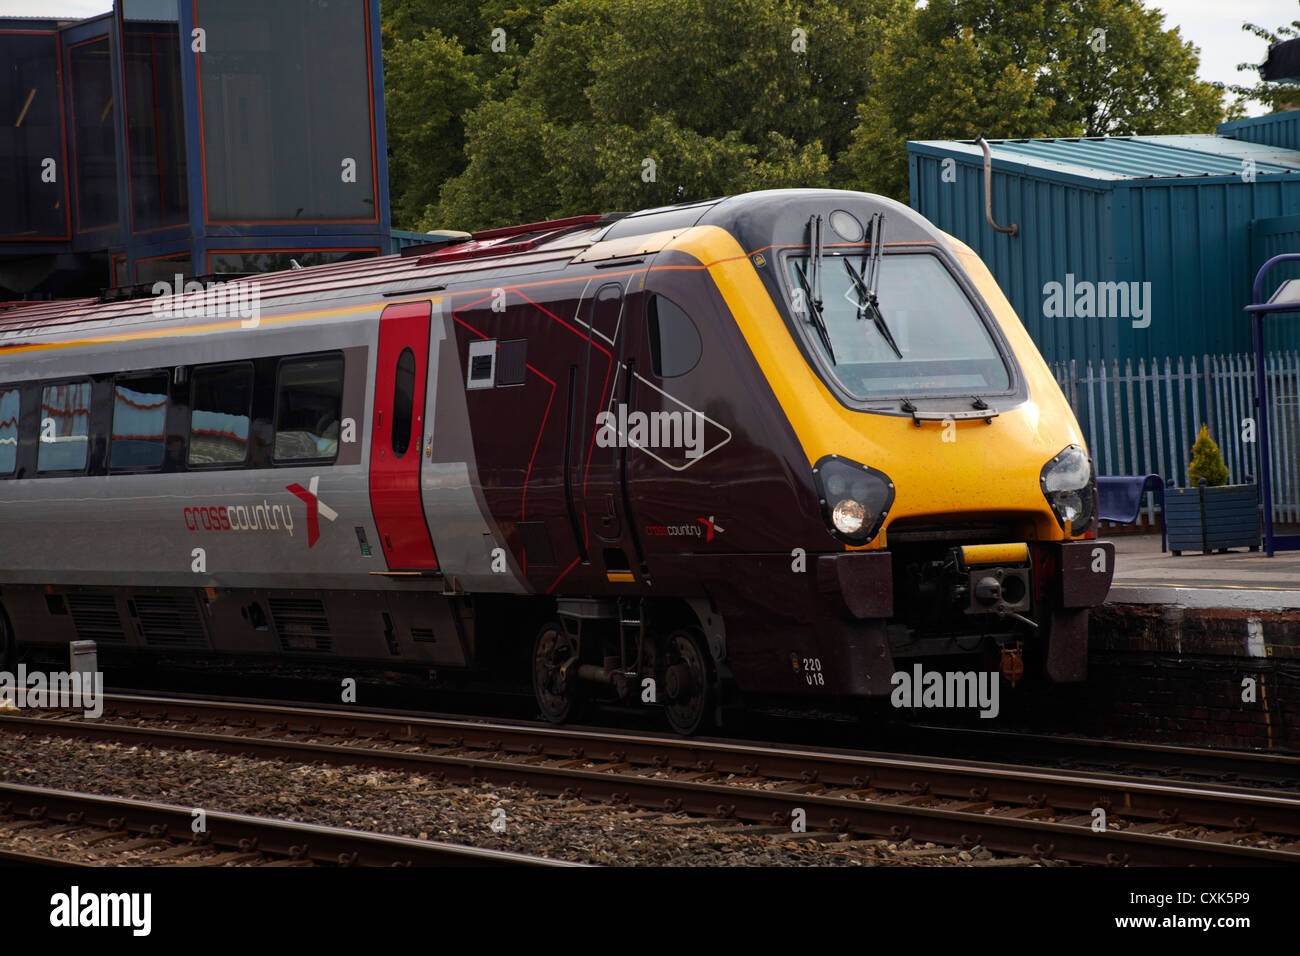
1011, 230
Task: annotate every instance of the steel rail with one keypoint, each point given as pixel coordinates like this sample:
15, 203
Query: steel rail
1224, 764
1192, 802
978, 787
396, 725
333, 846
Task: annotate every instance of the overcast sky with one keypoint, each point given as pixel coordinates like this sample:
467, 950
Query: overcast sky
1213, 25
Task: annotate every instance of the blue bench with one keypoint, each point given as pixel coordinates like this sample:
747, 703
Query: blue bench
1119, 499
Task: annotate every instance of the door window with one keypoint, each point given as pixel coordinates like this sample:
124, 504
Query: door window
403, 401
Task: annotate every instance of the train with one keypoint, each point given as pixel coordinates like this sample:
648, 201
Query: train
769, 448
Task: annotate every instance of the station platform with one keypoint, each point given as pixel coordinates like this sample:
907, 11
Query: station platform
1239, 579
1201, 649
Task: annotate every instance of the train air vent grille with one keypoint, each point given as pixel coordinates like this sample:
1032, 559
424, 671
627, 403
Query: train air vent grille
423, 634
168, 620
95, 617
301, 624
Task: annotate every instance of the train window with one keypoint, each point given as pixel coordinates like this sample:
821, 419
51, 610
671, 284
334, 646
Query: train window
309, 403
675, 346
403, 401
65, 427
9, 430
220, 402
139, 421
925, 338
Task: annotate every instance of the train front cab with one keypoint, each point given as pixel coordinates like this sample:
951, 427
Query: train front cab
945, 460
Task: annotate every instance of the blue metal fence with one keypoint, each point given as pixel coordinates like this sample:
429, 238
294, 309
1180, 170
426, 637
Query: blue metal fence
1144, 419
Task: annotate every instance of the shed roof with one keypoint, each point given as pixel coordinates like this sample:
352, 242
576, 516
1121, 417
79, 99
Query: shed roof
1117, 158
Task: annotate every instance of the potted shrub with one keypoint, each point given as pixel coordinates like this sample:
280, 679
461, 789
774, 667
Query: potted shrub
1212, 515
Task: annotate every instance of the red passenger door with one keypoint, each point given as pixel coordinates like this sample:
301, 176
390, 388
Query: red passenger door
397, 437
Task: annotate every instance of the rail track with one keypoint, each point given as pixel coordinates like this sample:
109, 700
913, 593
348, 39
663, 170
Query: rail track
43, 826
1046, 814
1276, 771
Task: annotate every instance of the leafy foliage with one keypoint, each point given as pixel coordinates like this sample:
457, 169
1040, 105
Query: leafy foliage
431, 85
726, 96
469, 22
719, 96
1277, 96
1023, 69
1207, 461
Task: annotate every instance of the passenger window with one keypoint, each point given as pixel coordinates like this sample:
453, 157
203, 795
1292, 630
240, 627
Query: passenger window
65, 427
674, 341
309, 402
139, 421
219, 415
403, 401
9, 430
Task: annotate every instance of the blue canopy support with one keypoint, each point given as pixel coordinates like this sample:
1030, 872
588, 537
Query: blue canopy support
1259, 309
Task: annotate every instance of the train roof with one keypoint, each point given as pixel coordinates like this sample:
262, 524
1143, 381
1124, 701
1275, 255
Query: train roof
451, 256
354, 277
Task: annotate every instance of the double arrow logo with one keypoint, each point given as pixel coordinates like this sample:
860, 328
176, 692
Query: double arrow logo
315, 507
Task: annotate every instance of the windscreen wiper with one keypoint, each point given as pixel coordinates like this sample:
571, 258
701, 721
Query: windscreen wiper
868, 305
815, 311
868, 287
815, 227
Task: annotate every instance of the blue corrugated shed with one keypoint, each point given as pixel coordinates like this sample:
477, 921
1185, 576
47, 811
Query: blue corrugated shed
1192, 215
1276, 129
401, 238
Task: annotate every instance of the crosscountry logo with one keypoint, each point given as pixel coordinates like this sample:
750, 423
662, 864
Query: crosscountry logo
315, 507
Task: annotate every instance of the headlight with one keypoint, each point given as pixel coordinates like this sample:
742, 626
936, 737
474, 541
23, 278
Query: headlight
855, 499
849, 516
1070, 489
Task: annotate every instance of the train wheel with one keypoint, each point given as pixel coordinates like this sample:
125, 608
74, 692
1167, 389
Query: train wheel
688, 690
555, 673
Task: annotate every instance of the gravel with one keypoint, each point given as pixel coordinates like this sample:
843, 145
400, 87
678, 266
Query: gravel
404, 804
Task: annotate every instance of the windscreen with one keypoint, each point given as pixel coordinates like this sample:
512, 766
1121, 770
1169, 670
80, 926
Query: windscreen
924, 337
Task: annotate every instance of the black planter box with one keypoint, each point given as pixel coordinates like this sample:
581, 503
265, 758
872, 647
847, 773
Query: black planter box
1212, 519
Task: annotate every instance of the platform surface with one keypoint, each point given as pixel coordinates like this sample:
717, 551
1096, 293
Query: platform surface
1236, 579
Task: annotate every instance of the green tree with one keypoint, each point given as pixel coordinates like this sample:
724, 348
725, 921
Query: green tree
431, 84
1207, 461
471, 22
1025, 68
729, 95
720, 95
1277, 96
440, 61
